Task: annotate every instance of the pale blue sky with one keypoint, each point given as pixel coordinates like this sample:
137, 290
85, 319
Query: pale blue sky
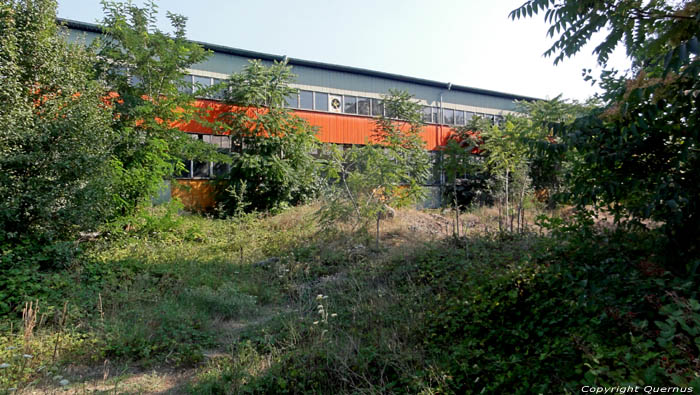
471, 43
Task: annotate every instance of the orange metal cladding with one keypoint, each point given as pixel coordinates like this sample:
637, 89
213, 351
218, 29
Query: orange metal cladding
195, 195
332, 127
198, 195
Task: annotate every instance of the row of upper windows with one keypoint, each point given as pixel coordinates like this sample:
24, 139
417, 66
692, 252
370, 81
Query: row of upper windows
348, 104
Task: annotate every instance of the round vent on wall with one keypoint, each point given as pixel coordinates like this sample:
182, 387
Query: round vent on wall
335, 103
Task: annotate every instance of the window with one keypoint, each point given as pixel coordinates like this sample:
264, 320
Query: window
363, 105
350, 104
427, 114
377, 107
220, 169
468, 116
187, 171
292, 101
321, 101
459, 117
201, 83
448, 116
436, 114
435, 169
306, 100
220, 94
200, 169
186, 84
221, 142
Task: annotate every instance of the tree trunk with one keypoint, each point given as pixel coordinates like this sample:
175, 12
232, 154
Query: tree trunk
454, 191
507, 205
521, 221
500, 214
378, 219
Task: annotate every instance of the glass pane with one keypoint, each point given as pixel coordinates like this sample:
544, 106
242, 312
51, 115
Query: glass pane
186, 84
321, 101
350, 104
427, 114
201, 169
292, 100
220, 169
185, 173
459, 117
220, 93
436, 114
225, 142
468, 116
377, 107
448, 116
201, 82
306, 100
363, 105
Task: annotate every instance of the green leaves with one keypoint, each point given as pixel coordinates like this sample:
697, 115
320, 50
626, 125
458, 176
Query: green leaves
386, 171
145, 68
640, 26
638, 153
55, 132
271, 153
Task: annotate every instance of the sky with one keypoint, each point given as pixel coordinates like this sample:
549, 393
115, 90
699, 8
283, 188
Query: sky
471, 43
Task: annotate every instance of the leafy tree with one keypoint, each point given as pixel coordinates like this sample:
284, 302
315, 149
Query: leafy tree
456, 163
470, 185
56, 138
56, 142
549, 161
506, 155
640, 149
387, 171
145, 69
271, 148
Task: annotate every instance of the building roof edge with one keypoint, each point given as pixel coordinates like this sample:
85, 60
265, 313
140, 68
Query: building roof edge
91, 27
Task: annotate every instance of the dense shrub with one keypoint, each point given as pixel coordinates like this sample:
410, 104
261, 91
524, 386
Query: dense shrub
582, 308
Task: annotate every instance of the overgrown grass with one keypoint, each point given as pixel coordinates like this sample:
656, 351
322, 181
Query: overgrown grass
494, 313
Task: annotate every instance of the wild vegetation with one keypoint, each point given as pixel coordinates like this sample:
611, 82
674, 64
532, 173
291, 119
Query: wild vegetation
570, 257
270, 147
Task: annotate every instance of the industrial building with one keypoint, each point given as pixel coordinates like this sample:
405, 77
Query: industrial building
341, 101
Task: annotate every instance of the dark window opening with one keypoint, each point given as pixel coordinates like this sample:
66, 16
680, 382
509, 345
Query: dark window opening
350, 104
377, 108
448, 116
363, 105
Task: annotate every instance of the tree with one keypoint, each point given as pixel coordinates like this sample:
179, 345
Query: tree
549, 161
641, 149
56, 139
271, 148
145, 68
506, 155
56, 144
456, 163
461, 162
387, 171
